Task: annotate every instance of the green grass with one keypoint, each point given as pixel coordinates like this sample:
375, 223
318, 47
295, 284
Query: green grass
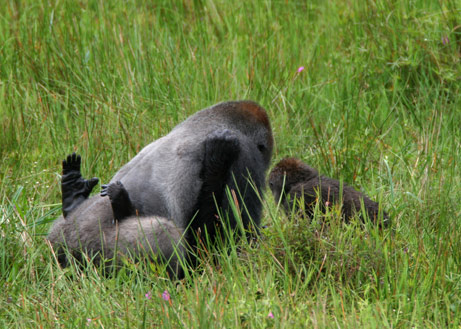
377, 105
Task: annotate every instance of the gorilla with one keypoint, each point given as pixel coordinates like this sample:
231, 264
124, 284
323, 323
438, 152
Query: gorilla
291, 179
173, 189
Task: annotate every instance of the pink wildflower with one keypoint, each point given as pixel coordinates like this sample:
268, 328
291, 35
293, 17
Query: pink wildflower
148, 295
300, 69
270, 315
166, 295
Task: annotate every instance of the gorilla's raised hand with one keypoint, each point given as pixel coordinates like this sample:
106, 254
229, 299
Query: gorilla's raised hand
75, 189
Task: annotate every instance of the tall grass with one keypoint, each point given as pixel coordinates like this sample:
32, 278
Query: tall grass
376, 105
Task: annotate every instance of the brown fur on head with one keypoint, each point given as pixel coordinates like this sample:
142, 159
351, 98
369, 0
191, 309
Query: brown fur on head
249, 111
252, 109
288, 172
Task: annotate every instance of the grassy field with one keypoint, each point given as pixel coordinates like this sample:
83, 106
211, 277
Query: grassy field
376, 105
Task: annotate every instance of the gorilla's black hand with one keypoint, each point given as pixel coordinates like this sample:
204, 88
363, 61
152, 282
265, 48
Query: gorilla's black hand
222, 149
75, 189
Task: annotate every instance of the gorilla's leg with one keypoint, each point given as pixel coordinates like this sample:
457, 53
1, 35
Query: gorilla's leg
222, 149
75, 189
119, 199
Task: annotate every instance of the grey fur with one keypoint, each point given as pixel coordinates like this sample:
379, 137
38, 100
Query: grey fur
91, 229
165, 179
170, 166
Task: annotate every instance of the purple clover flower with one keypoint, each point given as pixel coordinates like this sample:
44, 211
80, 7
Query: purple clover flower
166, 295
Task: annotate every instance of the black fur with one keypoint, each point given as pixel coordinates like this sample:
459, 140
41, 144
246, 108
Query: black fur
75, 189
119, 199
222, 149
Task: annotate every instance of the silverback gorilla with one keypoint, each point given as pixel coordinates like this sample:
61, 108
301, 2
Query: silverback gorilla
291, 179
172, 190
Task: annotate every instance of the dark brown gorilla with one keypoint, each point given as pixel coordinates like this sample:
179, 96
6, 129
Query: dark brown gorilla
178, 182
291, 180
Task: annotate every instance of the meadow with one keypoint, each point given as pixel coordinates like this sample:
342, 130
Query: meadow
367, 91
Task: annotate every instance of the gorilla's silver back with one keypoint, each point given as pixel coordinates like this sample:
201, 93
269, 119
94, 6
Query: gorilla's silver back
163, 179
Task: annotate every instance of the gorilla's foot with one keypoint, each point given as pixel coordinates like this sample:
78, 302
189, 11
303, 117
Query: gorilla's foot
119, 199
75, 189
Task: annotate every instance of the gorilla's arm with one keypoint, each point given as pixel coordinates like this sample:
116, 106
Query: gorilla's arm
119, 199
222, 149
75, 189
